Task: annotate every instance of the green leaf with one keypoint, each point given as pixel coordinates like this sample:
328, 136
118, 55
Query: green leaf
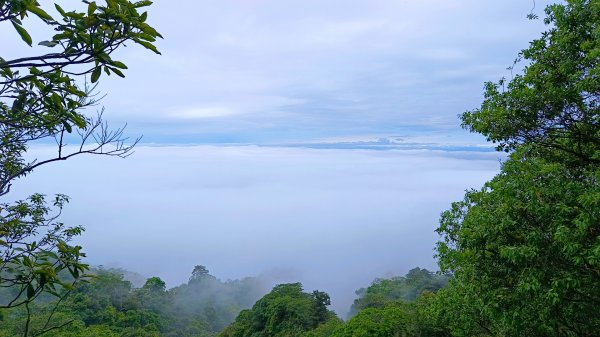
49, 44
30, 291
147, 37
74, 272
24, 34
78, 120
117, 71
59, 9
119, 65
147, 45
61, 36
40, 13
142, 4
96, 74
91, 8
68, 127
56, 99
105, 57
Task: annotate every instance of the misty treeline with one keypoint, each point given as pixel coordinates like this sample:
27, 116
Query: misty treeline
388, 307
107, 304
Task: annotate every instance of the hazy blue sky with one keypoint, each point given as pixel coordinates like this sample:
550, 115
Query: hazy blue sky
344, 116
278, 71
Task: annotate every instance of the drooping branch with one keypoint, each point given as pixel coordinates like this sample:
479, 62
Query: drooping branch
96, 138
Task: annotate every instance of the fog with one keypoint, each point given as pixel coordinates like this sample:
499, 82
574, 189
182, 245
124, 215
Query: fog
331, 219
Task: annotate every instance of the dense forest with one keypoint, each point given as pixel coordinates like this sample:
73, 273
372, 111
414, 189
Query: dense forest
106, 304
518, 257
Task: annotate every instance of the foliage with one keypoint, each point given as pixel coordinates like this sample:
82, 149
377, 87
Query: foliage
108, 304
389, 307
42, 97
525, 249
388, 321
213, 301
528, 247
407, 288
325, 329
39, 95
29, 268
398, 306
285, 311
199, 273
554, 104
35, 257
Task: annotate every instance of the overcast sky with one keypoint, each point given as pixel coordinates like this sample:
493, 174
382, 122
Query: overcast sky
279, 71
344, 118
272, 71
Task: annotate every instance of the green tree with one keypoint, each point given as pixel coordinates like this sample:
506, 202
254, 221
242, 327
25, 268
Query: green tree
153, 296
413, 297
389, 321
200, 272
286, 311
525, 249
553, 104
325, 329
42, 98
404, 288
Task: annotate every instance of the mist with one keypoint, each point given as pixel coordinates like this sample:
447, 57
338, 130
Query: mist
333, 219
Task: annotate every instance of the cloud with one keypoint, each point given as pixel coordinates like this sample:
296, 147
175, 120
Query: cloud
334, 218
241, 106
346, 66
204, 112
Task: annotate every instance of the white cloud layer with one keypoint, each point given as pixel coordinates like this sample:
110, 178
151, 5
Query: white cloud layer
332, 219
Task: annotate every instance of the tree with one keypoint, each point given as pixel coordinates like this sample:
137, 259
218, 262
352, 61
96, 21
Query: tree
155, 284
212, 300
153, 294
42, 97
400, 288
399, 306
555, 103
200, 272
524, 250
286, 311
389, 321
325, 329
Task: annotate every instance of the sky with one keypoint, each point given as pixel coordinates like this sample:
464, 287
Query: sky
315, 141
273, 71
296, 71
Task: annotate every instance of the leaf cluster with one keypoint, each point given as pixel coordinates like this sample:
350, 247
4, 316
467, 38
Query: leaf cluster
41, 95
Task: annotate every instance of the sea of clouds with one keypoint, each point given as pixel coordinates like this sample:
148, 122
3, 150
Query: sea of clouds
333, 219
